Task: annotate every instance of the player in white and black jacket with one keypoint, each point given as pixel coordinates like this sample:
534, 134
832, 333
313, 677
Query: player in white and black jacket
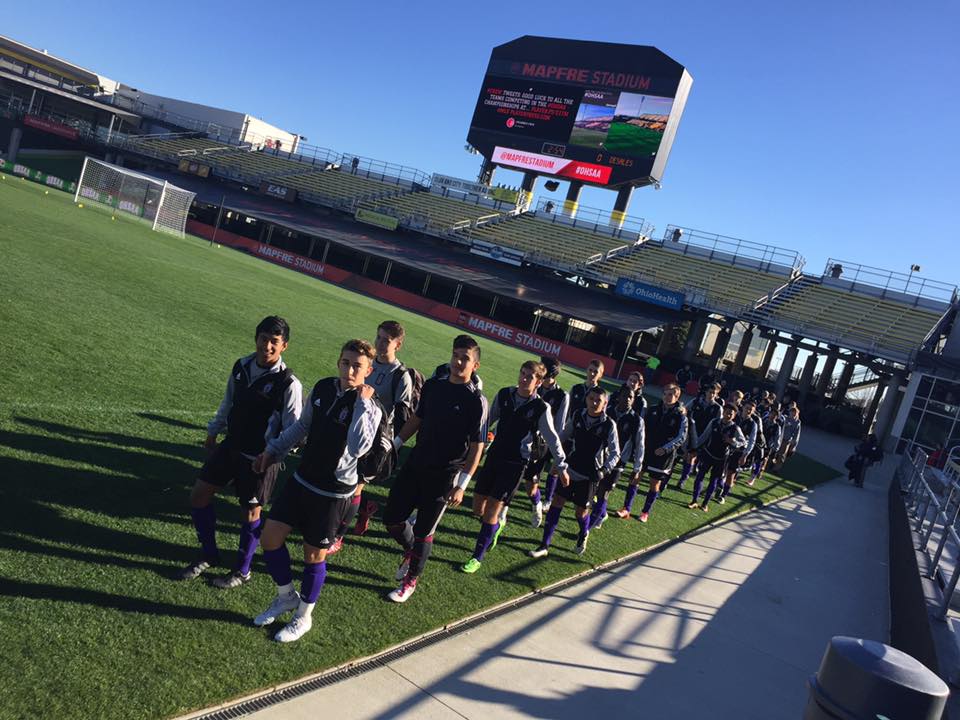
262, 398
630, 434
750, 425
593, 450
666, 430
559, 401
701, 410
521, 416
578, 393
772, 432
636, 383
340, 422
715, 443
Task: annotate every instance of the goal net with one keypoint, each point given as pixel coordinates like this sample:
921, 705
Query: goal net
162, 205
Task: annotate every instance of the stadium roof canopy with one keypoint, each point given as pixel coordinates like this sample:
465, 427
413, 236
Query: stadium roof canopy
71, 96
413, 251
45, 61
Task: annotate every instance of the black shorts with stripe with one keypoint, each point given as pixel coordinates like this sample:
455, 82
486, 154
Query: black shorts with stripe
500, 479
579, 492
227, 466
316, 516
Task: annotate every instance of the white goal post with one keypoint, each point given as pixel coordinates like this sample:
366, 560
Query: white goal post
150, 199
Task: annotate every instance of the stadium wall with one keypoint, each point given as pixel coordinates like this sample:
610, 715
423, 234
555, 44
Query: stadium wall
471, 322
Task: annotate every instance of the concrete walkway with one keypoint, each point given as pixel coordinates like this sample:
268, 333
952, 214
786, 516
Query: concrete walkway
727, 624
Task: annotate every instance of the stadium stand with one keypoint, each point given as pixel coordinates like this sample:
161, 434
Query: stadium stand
432, 211
243, 162
851, 317
549, 241
338, 186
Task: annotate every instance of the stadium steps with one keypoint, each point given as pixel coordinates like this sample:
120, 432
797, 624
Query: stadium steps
340, 188
423, 209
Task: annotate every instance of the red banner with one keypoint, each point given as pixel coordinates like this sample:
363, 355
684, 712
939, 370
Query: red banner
477, 324
51, 126
549, 165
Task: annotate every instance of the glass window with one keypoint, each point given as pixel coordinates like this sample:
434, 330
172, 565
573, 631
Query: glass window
946, 392
933, 430
923, 389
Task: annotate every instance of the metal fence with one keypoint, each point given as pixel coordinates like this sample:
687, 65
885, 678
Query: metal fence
889, 282
932, 498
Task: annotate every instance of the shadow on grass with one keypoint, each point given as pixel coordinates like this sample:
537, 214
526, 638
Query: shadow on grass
173, 422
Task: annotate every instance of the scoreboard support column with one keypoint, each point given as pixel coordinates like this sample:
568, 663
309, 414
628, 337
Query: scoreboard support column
573, 199
486, 173
526, 189
619, 212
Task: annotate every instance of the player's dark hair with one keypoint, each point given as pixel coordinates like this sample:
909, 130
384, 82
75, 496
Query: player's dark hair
552, 366
536, 368
671, 386
361, 347
597, 363
602, 392
465, 342
273, 325
730, 406
748, 401
627, 390
392, 328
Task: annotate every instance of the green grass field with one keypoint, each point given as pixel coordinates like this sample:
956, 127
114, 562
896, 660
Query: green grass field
119, 342
632, 140
587, 138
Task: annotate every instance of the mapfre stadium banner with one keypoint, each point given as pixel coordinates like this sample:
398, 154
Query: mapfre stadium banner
478, 324
50, 126
650, 294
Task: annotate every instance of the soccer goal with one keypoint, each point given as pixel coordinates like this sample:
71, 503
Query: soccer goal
155, 201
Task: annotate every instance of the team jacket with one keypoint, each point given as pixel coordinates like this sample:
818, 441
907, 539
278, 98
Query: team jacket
519, 421
750, 428
559, 401
773, 432
630, 434
258, 403
666, 427
713, 439
700, 413
578, 397
592, 446
340, 427
791, 431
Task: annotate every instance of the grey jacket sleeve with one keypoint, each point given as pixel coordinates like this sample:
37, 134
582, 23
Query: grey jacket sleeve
363, 428
292, 435
612, 450
638, 445
677, 439
549, 434
219, 422
751, 440
560, 417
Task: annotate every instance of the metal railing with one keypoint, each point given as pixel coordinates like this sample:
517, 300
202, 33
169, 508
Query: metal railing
733, 250
933, 508
889, 281
632, 229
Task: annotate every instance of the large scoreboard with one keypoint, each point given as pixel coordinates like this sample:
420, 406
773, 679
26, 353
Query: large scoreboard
599, 113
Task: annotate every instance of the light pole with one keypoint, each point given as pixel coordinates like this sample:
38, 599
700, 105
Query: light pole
913, 269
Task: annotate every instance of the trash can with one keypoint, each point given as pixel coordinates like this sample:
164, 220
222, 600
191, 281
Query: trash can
867, 680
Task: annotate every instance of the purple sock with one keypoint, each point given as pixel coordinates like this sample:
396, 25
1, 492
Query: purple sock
552, 481
553, 519
631, 494
249, 539
313, 576
487, 531
278, 565
584, 523
685, 473
599, 510
205, 522
535, 498
711, 488
652, 496
726, 489
698, 482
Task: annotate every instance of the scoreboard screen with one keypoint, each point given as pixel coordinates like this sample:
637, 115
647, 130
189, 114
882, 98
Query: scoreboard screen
600, 113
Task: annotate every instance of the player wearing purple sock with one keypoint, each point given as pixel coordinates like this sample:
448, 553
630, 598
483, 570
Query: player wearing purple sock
450, 427
262, 398
772, 431
344, 424
559, 402
716, 441
594, 452
701, 410
750, 426
630, 435
520, 416
666, 429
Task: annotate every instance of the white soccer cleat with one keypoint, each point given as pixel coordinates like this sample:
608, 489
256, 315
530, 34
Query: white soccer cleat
298, 626
403, 593
537, 519
404, 566
539, 552
281, 604
582, 545
194, 570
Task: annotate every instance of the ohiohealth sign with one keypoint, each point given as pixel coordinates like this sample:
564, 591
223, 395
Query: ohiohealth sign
649, 294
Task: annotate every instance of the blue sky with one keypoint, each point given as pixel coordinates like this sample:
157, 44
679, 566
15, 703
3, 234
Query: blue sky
795, 133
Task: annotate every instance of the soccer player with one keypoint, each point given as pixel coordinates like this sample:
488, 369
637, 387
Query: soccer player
701, 410
394, 388
263, 396
449, 425
630, 436
341, 423
520, 415
666, 429
636, 383
750, 427
772, 431
559, 401
578, 393
719, 438
595, 451
791, 434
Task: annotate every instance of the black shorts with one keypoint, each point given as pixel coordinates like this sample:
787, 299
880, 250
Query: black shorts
735, 459
226, 466
607, 483
316, 516
535, 467
500, 480
579, 492
422, 489
658, 464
